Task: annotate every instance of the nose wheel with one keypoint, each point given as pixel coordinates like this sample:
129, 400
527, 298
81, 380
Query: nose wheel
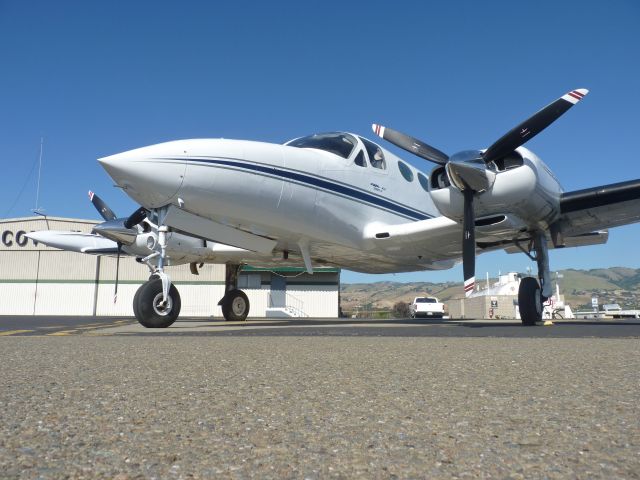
157, 304
150, 308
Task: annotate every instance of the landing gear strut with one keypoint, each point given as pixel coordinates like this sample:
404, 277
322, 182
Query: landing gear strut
157, 303
532, 294
235, 304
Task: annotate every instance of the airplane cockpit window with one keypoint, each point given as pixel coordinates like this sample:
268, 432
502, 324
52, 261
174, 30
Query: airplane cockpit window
376, 157
359, 160
341, 144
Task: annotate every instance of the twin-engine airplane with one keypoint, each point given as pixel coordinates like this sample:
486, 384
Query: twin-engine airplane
339, 199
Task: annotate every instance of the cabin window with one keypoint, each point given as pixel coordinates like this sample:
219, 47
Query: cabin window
424, 182
341, 144
405, 171
376, 156
359, 160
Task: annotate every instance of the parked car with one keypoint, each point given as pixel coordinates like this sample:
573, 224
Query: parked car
426, 307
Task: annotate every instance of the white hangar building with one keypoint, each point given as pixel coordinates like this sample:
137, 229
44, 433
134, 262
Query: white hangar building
40, 280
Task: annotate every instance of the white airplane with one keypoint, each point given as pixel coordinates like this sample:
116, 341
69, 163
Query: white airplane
339, 199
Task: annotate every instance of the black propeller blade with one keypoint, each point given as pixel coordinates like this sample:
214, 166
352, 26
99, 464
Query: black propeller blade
532, 126
410, 144
104, 211
136, 217
469, 243
115, 293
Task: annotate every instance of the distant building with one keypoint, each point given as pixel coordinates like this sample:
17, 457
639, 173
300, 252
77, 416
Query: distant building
40, 280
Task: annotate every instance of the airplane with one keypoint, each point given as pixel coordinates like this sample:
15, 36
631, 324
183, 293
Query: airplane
342, 200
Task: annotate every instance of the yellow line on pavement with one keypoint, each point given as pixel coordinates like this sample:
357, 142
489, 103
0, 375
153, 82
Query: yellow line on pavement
13, 332
61, 333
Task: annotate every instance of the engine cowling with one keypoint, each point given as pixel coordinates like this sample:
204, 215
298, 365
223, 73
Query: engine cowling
524, 191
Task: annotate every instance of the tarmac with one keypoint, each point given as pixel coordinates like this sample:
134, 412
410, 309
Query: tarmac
271, 398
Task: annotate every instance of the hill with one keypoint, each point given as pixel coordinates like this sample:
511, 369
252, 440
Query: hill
611, 285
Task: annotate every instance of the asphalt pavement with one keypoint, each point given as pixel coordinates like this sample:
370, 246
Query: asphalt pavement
112, 401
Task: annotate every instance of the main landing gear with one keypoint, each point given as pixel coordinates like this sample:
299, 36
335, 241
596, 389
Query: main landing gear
532, 294
234, 304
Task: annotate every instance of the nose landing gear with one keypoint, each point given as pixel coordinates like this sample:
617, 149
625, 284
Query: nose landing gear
157, 302
151, 308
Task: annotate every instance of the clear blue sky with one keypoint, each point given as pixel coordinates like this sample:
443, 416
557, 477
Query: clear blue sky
96, 78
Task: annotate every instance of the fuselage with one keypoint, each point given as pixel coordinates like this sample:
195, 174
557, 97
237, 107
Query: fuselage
328, 192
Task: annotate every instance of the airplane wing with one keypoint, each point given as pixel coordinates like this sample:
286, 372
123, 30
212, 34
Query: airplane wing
584, 217
75, 241
597, 208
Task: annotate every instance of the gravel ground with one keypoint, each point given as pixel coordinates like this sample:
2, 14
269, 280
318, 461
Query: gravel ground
326, 407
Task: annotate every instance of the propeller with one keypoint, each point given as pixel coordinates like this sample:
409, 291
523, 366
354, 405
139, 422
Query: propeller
115, 292
117, 229
120, 230
472, 173
104, 211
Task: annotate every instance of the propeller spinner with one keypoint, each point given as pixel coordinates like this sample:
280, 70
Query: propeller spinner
471, 172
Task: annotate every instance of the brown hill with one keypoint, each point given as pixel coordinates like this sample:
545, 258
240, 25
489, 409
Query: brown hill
612, 285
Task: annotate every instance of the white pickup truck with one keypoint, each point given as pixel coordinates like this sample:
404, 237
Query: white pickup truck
426, 307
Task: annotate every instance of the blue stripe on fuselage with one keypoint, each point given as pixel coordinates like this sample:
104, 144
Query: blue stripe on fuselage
319, 182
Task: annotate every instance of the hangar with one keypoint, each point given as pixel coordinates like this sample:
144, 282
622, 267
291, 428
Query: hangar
40, 280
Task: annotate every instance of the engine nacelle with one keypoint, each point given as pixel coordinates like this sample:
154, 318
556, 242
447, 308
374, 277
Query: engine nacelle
524, 189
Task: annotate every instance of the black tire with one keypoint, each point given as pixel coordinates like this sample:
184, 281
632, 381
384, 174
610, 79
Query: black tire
136, 301
150, 315
235, 306
530, 301
136, 298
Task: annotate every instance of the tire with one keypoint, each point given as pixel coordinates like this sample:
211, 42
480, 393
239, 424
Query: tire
150, 315
235, 306
530, 301
136, 298
136, 301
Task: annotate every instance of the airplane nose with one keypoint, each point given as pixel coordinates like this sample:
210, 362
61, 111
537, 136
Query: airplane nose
150, 180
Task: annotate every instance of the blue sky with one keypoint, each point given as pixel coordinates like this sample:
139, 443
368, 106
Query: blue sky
96, 78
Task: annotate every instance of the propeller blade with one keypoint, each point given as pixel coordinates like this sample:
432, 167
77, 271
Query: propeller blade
115, 293
469, 243
410, 144
528, 129
136, 217
104, 211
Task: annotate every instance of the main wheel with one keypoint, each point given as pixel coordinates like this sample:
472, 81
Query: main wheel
530, 301
150, 312
235, 306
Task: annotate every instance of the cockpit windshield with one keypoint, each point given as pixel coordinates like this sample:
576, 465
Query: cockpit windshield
341, 144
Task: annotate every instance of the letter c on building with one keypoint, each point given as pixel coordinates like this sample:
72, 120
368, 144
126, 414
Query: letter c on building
6, 238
